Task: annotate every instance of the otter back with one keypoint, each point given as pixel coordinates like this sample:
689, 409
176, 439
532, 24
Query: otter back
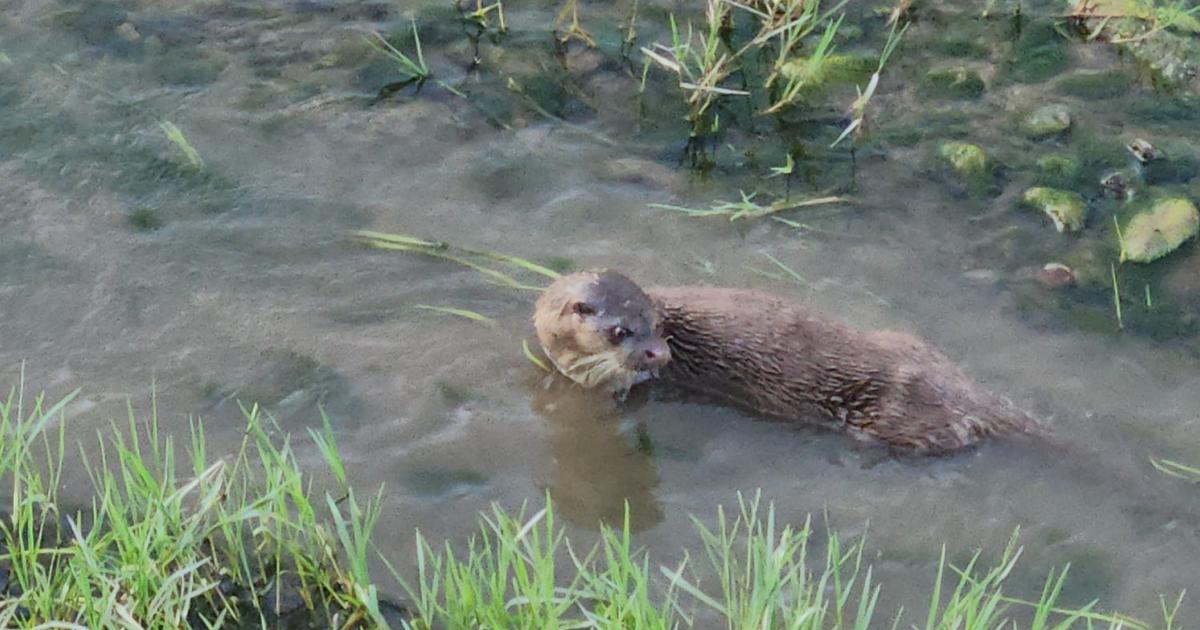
778, 358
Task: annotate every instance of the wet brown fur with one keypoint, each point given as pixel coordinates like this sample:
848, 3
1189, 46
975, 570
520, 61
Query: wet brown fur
778, 358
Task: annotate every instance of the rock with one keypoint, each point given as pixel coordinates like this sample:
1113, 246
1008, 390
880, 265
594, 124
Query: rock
1142, 150
1046, 121
1154, 233
128, 32
968, 160
1067, 209
1056, 276
831, 69
1119, 184
1058, 170
958, 82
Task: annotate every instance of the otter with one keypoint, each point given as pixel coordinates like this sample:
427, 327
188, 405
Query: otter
770, 355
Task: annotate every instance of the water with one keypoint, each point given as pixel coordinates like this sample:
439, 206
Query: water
125, 272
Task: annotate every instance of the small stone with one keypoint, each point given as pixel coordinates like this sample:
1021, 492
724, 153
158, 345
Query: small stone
1056, 276
1118, 184
1046, 121
1142, 150
1067, 209
966, 159
1154, 233
128, 32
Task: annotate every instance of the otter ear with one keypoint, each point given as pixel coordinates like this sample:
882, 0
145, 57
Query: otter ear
581, 308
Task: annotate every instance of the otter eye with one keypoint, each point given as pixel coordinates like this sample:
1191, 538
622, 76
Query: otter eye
583, 309
617, 334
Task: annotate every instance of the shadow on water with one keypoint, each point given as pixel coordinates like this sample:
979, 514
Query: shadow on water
597, 466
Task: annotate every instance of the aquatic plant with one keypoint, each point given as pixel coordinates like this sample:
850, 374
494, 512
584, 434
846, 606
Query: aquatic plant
858, 108
470, 258
175, 135
481, 15
411, 65
699, 60
458, 312
747, 207
574, 30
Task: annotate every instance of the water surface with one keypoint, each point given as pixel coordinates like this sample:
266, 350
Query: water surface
126, 270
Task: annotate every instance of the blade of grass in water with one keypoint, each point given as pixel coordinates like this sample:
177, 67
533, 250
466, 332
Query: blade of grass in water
786, 269
443, 250
747, 208
175, 135
460, 312
533, 357
1176, 469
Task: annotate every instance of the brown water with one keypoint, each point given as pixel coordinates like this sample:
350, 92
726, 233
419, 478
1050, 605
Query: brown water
248, 287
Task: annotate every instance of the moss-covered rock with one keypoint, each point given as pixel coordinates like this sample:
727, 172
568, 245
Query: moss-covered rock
1065, 208
967, 160
958, 82
1158, 230
830, 69
1047, 120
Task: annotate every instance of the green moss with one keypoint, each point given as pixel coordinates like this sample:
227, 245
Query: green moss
902, 136
1039, 53
1097, 153
1095, 85
1164, 109
958, 82
1058, 170
945, 123
185, 67
831, 69
145, 220
962, 48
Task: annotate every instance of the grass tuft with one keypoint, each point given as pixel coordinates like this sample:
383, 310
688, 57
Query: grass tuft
175, 537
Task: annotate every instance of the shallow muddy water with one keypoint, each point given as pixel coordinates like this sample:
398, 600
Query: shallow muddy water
124, 270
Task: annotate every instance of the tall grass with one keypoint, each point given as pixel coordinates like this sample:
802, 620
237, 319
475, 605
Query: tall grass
175, 537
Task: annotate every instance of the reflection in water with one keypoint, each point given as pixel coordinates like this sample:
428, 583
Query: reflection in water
595, 467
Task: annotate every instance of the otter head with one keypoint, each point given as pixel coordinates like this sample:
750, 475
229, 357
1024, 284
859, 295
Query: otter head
600, 329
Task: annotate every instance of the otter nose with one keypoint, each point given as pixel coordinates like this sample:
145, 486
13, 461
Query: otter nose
656, 353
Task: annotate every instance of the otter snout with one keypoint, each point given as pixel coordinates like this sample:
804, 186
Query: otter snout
650, 355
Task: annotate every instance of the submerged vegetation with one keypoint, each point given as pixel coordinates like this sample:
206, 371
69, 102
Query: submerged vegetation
180, 536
